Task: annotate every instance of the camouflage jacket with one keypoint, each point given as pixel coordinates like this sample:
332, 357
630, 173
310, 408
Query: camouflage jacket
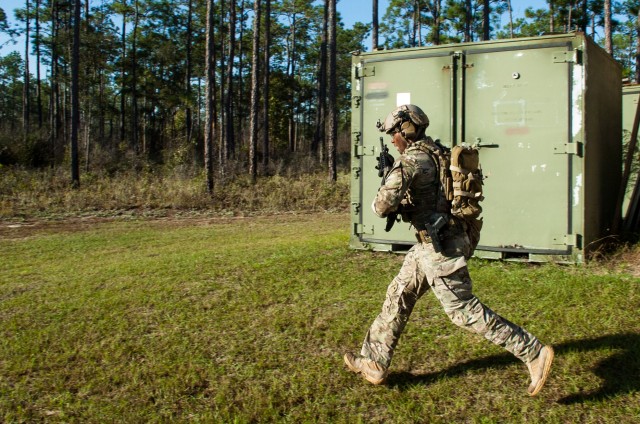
412, 187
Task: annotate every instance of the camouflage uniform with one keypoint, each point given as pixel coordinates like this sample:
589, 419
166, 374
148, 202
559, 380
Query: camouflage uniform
413, 183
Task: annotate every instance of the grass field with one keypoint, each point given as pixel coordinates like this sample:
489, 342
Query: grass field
246, 320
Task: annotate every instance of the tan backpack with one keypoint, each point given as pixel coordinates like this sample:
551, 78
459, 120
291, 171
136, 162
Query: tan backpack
461, 178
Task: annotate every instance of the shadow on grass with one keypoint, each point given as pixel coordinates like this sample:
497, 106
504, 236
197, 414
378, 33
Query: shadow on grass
618, 371
405, 379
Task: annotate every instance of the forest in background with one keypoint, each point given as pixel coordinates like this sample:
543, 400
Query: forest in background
231, 87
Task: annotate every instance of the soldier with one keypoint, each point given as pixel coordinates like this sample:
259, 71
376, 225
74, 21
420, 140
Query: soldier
412, 188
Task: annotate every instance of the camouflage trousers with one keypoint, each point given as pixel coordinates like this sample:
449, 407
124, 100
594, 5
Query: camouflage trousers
423, 269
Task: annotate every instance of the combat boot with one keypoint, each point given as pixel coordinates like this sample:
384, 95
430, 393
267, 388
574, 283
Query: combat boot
372, 371
539, 369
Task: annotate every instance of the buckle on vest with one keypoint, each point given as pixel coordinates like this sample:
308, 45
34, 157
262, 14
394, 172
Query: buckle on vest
423, 236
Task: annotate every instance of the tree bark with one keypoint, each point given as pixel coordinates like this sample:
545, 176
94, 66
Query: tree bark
317, 145
210, 97
241, 106
187, 83
230, 146
123, 73
38, 78
486, 24
75, 93
510, 18
253, 113
332, 83
26, 97
374, 26
608, 38
54, 97
435, 8
467, 21
415, 36
637, 73
291, 68
134, 80
265, 84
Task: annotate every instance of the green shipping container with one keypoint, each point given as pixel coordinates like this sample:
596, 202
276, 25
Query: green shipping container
546, 114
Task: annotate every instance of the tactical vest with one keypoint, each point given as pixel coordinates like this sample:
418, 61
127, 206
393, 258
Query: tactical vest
460, 181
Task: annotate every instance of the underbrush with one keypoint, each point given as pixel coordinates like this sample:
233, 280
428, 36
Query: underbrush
40, 193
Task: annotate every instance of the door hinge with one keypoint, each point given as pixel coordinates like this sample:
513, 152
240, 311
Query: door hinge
356, 101
567, 56
356, 172
569, 240
362, 151
360, 229
573, 240
365, 71
569, 149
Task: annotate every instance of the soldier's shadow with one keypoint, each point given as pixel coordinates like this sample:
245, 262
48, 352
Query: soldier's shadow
619, 372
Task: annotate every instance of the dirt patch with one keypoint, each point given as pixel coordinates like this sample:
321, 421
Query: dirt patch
627, 259
31, 227
14, 229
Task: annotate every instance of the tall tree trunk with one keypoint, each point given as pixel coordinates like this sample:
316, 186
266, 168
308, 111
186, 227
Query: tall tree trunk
468, 16
608, 39
552, 12
38, 79
75, 95
265, 84
584, 21
332, 83
319, 133
228, 96
101, 108
291, 72
222, 139
253, 112
411, 41
510, 18
187, 83
54, 97
210, 97
374, 26
415, 38
123, 73
240, 106
486, 24
435, 8
638, 47
26, 101
134, 81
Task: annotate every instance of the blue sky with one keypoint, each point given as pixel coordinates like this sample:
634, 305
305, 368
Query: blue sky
353, 10
350, 10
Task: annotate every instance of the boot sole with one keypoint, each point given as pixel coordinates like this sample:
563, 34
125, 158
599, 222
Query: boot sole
370, 379
545, 373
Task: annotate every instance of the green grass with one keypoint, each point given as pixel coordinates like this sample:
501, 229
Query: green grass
246, 320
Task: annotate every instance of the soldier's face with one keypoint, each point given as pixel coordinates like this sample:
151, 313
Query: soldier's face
399, 142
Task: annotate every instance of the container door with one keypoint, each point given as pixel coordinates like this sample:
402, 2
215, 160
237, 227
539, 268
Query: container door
384, 83
518, 104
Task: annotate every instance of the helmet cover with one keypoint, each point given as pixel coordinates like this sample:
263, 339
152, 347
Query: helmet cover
404, 113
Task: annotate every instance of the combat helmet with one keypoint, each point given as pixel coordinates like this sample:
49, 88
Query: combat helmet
408, 119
